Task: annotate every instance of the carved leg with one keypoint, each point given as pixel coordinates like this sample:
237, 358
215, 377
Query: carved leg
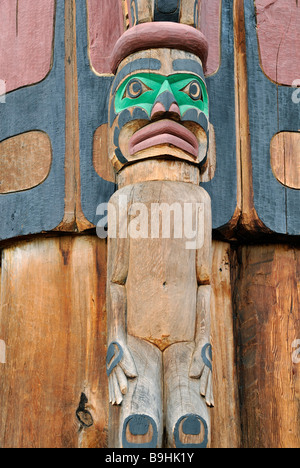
187, 416
141, 411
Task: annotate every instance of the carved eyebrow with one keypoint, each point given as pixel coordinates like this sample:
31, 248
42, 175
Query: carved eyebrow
188, 65
137, 65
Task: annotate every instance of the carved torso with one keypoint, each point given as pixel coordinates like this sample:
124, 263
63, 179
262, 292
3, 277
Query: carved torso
162, 289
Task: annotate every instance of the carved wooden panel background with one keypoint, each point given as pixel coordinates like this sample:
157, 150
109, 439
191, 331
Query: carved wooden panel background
55, 81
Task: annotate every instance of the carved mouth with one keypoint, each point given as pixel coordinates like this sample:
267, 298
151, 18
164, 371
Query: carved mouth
164, 132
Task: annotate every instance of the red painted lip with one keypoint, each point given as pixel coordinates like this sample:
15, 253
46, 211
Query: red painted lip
164, 132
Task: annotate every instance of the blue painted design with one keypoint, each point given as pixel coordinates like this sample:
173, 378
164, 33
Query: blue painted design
221, 90
38, 107
196, 14
166, 99
188, 65
139, 425
191, 424
271, 110
206, 355
167, 10
138, 64
124, 117
111, 352
93, 95
116, 136
134, 12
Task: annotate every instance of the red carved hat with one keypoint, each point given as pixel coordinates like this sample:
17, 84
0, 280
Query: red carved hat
156, 35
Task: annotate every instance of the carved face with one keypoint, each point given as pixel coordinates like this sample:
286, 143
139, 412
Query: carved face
158, 108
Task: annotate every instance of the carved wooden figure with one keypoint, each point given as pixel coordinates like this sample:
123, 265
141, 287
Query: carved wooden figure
159, 360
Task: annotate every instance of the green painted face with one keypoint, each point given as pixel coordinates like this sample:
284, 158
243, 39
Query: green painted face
142, 90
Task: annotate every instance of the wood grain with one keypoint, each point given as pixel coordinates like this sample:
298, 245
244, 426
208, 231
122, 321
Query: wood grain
158, 169
285, 158
267, 309
226, 429
53, 322
25, 161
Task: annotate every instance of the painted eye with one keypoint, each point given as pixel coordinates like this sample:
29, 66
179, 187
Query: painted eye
135, 88
194, 90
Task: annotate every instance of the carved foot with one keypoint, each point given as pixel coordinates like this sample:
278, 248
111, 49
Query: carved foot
187, 415
140, 415
191, 431
139, 431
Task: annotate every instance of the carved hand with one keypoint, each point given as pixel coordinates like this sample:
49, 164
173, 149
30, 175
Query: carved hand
119, 367
201, 368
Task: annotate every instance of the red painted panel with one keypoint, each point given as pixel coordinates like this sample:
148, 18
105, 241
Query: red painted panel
278, 26
26, 41
210, 25
106, 25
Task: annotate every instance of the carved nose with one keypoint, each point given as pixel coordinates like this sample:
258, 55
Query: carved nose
165, 103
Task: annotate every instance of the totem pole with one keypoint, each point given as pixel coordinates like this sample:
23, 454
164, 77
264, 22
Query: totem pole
159, 360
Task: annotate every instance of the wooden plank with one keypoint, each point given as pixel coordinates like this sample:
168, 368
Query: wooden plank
74, 219
268, 314
53, 322
26, 42
226, 429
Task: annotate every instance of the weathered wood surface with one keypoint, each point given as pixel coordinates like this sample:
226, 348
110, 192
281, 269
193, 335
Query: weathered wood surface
147, 291
266, 305
53, 326
43, 341
226, 428
53, 322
